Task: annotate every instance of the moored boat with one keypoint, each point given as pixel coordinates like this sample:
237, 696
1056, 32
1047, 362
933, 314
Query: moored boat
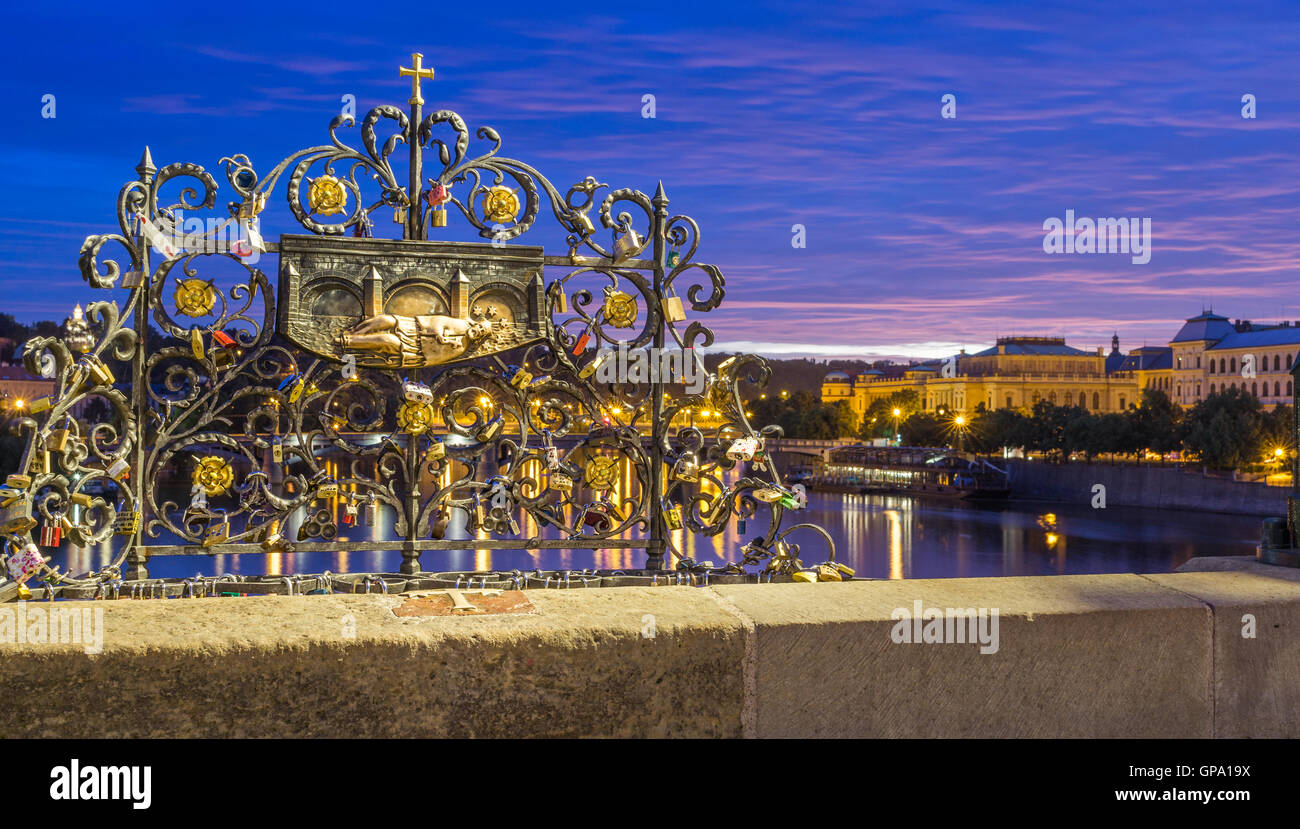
911, 470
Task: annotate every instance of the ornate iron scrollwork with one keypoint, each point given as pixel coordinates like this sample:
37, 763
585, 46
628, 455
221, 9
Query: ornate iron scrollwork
427, 378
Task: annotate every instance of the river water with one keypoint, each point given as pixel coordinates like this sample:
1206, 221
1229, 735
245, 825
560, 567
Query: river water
881, 536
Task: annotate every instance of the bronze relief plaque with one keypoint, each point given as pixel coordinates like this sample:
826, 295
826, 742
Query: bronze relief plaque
408, 304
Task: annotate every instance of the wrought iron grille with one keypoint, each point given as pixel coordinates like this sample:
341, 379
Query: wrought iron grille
437, 376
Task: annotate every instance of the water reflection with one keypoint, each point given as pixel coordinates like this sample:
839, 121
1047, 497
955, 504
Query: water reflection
881, 536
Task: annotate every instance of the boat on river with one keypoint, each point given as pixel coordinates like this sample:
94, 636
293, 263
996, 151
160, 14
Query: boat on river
910, 470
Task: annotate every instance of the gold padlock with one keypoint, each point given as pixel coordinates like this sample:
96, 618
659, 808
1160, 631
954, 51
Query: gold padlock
57, 440
127, 523
673, 309
561, 482
489, 431
40, 404
805, 576
438, 217
81, 499
828, 572
327, 491
273, 541
40, 463
217, 533
196, 344
19, 481
594, 366
673, 517
437, 450
521, 378
98, 371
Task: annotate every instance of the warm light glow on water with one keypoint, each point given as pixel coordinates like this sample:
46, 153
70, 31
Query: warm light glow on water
880, 536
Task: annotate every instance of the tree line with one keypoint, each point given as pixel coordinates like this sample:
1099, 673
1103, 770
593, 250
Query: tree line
1228, 430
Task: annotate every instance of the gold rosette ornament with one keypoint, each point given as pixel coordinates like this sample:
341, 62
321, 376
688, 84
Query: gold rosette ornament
415, 418
500, 204
214, 474
620, 308
600, 473
326, 196
195, 297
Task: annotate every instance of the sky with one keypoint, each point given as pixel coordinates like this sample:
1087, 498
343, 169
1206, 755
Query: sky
922, 234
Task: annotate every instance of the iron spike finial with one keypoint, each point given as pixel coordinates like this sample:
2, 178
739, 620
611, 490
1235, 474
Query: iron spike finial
660, 196
146, 167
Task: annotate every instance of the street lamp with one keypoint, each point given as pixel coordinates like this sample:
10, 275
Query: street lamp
959, 423
898, 438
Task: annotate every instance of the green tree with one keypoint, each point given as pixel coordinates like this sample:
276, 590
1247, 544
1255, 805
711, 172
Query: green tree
1225, 430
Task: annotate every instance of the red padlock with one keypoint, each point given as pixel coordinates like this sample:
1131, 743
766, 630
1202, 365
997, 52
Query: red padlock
51, 535
436, 194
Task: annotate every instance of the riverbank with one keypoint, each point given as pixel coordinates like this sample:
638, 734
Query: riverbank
1158, 487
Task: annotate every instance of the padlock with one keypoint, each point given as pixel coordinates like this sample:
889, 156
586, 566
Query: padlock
223, 340
127, 523
119, 470
399, 215
673, 309
132, 279
478, 512
519, 377
438, 530
561, 299
327, 490
371, 514
805, 576
740, 526
846, 572
25, 563
272, 539
51, 534
57, 439
827, 572
489, 431
743, 449
437, 450
350, 512
582, 224
789, 502
552, 457
687, 468
39, 463
299, 387
438, 217
223, 358
98, 370
674, 256
562, 482
629, 243
277, 450
512, 523
219, 532
594, 366
673, 517
18, 481
416, 392
9, 496
40, 404
196, 344
81, 499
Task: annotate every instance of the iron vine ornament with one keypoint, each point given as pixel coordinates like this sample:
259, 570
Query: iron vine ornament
446, 378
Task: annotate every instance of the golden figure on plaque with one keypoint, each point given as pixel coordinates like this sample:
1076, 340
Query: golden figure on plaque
425, 340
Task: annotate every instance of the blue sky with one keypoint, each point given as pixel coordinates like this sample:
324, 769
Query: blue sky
923, 234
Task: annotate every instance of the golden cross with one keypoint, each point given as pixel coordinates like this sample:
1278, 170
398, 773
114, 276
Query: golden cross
416, 72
